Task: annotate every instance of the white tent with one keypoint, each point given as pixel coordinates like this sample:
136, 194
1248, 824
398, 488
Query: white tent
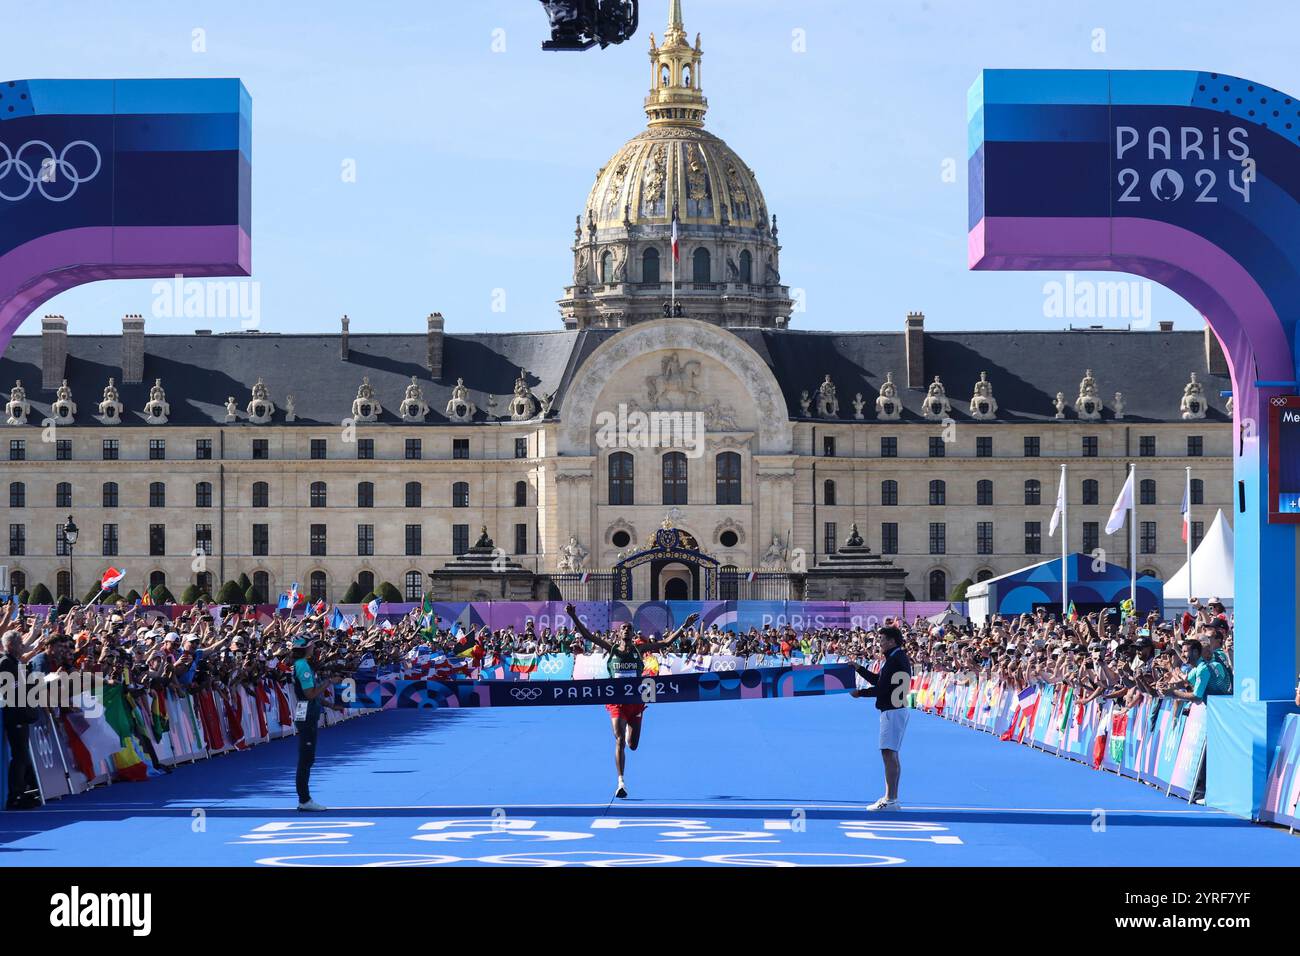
1211, 568
946, 617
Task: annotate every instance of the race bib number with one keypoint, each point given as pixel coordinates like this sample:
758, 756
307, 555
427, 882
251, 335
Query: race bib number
300, 712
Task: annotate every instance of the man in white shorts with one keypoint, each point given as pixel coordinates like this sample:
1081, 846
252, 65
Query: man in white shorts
890, 688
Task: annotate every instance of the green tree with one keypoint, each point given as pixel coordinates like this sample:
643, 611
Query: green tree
244, 582
161, 595
190, 594
959, 592
253, 596
230, 594
389, 594
353, 594
41, 595
132, 596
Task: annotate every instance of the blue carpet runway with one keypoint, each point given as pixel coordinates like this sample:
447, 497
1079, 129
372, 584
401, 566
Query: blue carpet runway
747, 783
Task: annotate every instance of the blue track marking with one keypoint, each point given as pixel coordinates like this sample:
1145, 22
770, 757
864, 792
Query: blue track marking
756, 783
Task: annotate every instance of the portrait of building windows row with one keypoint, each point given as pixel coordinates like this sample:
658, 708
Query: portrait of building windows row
1031, 447
1090, 492
675, 478
259, 449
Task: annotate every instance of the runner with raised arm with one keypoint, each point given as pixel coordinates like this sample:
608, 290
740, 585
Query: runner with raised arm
626, 659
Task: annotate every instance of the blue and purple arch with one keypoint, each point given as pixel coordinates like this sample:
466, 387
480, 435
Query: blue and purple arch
1191, 180
120, 179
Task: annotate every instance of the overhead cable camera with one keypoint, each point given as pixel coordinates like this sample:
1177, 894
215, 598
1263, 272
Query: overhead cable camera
581, 24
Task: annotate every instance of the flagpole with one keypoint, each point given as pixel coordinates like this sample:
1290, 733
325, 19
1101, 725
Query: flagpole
1065, 550
1132, 539
1187, 529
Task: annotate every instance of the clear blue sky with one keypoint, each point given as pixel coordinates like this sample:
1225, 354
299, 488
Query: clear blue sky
471, 164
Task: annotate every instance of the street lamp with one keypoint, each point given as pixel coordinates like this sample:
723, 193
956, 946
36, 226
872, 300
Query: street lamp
70, 531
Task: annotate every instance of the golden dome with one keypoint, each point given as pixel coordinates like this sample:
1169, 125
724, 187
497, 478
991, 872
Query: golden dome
680, 165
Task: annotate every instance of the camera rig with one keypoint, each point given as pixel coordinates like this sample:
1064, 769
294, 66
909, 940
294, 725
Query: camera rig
581, 24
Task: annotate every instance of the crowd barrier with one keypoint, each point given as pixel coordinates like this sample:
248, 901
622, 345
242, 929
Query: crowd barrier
594, 667
649, 616
122, 740
1283, 791
1159, 741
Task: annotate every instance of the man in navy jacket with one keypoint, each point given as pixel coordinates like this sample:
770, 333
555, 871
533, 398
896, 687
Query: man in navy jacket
889, 687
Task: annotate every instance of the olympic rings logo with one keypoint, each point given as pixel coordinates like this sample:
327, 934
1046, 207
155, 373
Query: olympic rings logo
525, 693
41, 171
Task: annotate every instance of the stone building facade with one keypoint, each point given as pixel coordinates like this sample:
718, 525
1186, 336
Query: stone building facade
329, 459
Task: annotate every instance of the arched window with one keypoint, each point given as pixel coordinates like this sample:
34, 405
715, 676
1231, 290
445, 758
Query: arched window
261, 494
318, 494
728, 478
63, 585
746, 266
984, 492
938, 585
889, 492
63, 495
110, 494
620, 478
1198, 491
521, 494
702, 266
262, 585
983, 574
414, 590
366, 582
1091, 491
203, 494
157, 494
938, 492
157, 579
686, 76
1033, 492
365, 494
203, 581
17, 494
665, 76
17, 582
460, 494
828, 492
650, 265
414, 494
318, 585
606, 268
1147, 491
674, 471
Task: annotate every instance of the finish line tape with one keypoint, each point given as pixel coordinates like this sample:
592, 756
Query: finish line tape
756, 684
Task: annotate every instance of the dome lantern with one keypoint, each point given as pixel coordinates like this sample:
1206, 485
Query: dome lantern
675, 88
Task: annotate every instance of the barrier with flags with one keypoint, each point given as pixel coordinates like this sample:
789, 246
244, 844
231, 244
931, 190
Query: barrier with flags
1159, 740
1282, 794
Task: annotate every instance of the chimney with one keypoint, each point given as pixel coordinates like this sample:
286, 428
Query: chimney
343, 341
54, 351
1167, 325
1216, 363
434, 356
915, 333
132, 349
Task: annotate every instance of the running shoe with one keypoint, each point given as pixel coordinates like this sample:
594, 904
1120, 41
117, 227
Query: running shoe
884, 803
621, 792
311, 806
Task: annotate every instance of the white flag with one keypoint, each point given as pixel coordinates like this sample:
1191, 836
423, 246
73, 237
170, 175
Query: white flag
1060, 508
1122, 504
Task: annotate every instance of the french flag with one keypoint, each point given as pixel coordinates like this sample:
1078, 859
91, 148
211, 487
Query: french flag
110, 579
371, 610
337, 621
292, 599
1186, 510
319, 607
676, 250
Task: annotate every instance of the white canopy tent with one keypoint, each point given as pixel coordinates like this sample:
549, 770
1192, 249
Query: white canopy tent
1211, 569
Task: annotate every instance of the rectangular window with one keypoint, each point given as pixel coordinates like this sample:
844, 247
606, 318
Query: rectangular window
984, 537
984, 447
365, 540
459, 538
203, 449
203, 538
889, 537
18, 539
157, 494
365, 449
110, 494
414, 449
414, 543
460, 448
1032, 447
63, 495
888, 447
203, 495
318, 448
1147, 446
1195, 446
1089, 446
17, 494
317, 540
157, 449
1033, 537
984, 493
17, 449
109, 542
1198, 534
1147, 537
63, 449
60, 543
1091, 536
110, 449
937, 449
157, 540
521, 539
261, 449
829, 538
828, 446
938, 537
261, 540
521, 447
